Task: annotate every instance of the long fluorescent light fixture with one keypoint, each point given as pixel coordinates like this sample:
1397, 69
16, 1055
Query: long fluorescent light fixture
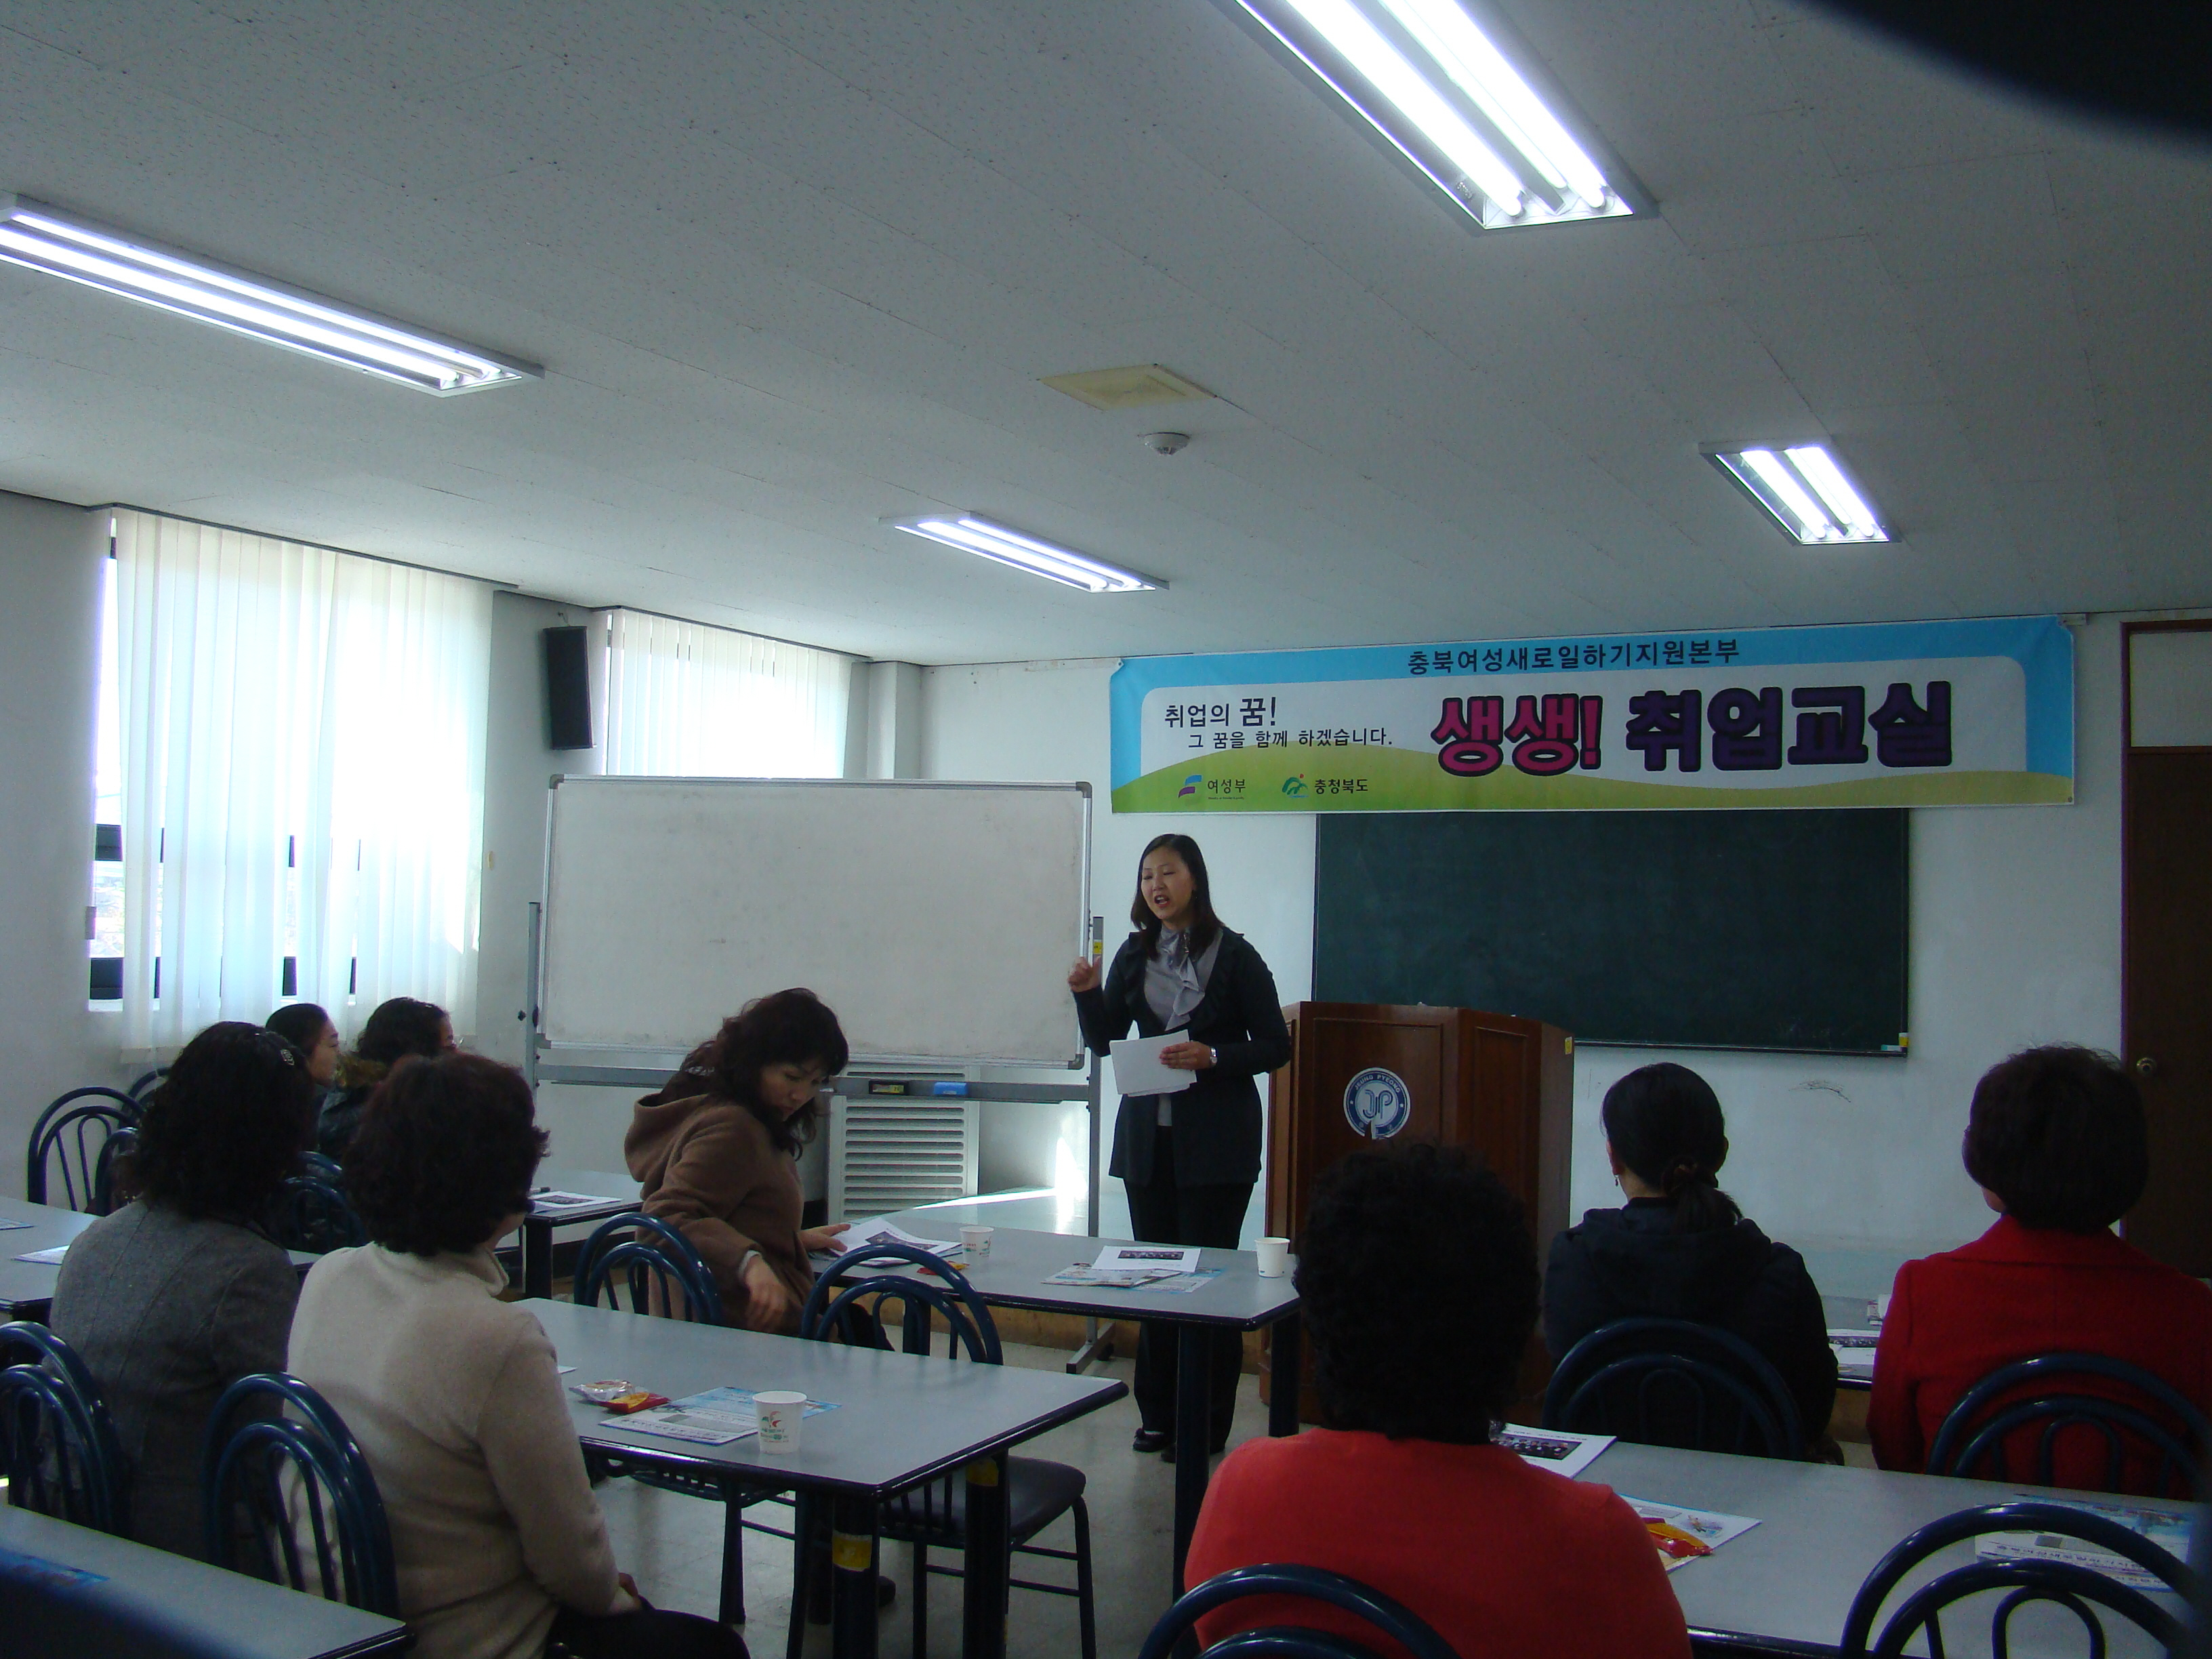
1433, 81
61, 244
1805, 492
972, 534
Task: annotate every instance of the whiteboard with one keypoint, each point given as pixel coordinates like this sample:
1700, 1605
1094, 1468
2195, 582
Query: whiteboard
937, 919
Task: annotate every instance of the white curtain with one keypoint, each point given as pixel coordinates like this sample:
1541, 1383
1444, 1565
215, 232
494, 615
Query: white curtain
303, 742
684, 700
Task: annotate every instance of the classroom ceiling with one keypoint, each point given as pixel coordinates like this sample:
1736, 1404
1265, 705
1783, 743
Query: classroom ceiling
799, 269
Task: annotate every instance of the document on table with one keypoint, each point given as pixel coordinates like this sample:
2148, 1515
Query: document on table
1683, 1535
2170, 1532
50, 1257
712, 1418
1854, 1352
549, 1202
7, 1226
1138, 1070
862, 1234
1162, 1281
1150, 1258
1561, 1450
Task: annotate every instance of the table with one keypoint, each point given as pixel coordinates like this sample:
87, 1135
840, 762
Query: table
538, 1230
1012, 1275
65, 1588
901, 1420
1850, 1313
1786, 1585
26, 1288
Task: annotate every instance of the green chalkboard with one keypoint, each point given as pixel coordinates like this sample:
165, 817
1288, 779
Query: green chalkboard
1683, 929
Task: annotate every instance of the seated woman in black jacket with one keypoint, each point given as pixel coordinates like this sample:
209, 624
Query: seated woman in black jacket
1680, 1248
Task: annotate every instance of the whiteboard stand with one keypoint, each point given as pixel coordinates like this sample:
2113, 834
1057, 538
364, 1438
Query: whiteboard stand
544, 1062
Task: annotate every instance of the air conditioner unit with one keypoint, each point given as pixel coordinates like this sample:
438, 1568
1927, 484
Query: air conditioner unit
890, 1152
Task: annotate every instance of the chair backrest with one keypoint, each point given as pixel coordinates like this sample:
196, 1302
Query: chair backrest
2070, 1586
314, 1216
2000, 1414
74, 1131
147, 1083
57, 1443
321, 1168
1387, 1617
662, 1270
287, 1495
841, 1301
1670, 1383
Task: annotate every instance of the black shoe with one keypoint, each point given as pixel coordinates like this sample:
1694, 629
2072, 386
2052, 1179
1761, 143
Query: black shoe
817, 1597
1152, 1440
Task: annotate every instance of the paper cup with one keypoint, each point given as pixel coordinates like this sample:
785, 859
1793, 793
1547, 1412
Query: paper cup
976, 1241
780, 1414
1274, 1255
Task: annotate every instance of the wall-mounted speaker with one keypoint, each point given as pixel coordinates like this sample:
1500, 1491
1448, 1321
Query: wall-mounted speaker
567, 688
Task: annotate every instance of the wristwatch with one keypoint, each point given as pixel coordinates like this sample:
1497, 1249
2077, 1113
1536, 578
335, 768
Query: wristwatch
1212, 1056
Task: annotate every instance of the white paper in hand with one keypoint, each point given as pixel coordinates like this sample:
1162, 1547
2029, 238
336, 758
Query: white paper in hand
1138, 1070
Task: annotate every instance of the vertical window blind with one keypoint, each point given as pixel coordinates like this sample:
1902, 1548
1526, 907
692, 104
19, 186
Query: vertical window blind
685, 699
302, 737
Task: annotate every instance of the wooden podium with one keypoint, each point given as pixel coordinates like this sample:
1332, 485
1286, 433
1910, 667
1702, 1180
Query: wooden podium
1497, 1085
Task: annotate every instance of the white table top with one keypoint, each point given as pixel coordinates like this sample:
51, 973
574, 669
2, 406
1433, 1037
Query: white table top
1789, 1580
67, 1589
900, 1420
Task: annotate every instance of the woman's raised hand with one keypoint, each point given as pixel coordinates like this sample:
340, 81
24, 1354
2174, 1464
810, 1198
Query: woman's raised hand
1083, 976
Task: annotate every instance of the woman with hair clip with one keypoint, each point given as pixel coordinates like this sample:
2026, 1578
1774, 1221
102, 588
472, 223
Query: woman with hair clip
716, 1151
1187, 1160
1680, 1248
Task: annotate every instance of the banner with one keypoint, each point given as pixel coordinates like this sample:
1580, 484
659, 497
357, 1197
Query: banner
1948, 714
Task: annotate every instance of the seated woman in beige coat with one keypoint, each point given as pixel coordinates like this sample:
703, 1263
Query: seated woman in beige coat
716, 1153
455, 1396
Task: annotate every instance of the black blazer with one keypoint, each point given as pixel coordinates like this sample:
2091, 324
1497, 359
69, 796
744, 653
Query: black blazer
1217, 1119
1624, 1263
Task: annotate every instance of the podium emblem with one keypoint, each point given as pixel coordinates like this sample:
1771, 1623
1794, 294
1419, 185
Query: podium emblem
1376, 1103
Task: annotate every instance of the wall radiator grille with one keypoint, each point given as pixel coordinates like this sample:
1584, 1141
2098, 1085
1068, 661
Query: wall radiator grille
889, 1152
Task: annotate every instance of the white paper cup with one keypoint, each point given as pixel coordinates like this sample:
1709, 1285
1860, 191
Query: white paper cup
976, 1241
780, 1414
1274, 1255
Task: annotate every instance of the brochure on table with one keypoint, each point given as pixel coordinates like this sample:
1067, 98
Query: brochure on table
862, 1234
1682, 1535
1561, 1450
1854, 1352
2170, 1532
712, 1418
549, 1202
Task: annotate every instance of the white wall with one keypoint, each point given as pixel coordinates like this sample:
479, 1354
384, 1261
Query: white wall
49, 558
2015, 941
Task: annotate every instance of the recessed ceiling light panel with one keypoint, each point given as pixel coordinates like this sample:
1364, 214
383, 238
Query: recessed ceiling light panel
1432, 80
1805, 492
972, 534
61, 244
1133, 387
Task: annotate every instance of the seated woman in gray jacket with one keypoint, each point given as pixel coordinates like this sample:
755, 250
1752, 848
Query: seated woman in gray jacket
178, 1294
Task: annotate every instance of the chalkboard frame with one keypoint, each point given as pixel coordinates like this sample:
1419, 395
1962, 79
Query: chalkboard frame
1409, 936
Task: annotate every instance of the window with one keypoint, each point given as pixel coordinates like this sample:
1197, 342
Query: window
298, 784
684, 700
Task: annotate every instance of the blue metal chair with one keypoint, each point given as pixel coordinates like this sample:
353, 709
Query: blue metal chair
297, 1471
147, 1083
1334, 1590
2071, 1587
77, 1127
1670, 1383
313, 1215
934, 1515
319, 1168
662, 1270
1980, 1429
57, 1444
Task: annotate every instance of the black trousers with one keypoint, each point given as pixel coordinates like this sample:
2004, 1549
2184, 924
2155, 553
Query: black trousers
1162, 1212
649, 1633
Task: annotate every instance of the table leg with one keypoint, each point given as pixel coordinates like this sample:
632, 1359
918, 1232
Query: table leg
1285, 1374
1193, 1431
987, 1563
537, 1256
852, 1578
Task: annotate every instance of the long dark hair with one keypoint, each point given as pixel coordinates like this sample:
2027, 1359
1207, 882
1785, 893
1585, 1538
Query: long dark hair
794, 1027
1665, 1124
228, 1124
301, 1024
399, 1027
1204, 925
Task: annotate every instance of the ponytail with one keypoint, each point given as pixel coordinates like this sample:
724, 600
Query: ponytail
1665, 1126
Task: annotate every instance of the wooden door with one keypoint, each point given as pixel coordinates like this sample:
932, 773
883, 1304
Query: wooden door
2167, 899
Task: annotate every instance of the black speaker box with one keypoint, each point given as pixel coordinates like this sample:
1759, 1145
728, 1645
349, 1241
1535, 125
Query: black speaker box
567, 688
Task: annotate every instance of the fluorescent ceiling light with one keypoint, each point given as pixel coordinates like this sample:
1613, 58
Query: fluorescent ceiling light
1433, 81
1805, 491
61, 244
971, 533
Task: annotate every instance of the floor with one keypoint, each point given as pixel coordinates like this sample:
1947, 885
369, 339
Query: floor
672, 1545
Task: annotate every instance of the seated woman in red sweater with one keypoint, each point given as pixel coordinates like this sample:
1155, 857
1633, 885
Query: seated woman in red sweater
1403, 1490
2057, 1142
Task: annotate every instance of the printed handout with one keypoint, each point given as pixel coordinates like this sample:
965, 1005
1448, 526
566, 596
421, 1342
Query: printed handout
1683, 1535
712, 1418
2170, 1532
1561, 1450
862, 1234
1148, 1258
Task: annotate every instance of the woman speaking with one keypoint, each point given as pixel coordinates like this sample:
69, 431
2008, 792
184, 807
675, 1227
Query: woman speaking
1188, 1160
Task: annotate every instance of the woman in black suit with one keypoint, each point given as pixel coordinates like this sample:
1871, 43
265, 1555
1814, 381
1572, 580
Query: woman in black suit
1188, 1160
